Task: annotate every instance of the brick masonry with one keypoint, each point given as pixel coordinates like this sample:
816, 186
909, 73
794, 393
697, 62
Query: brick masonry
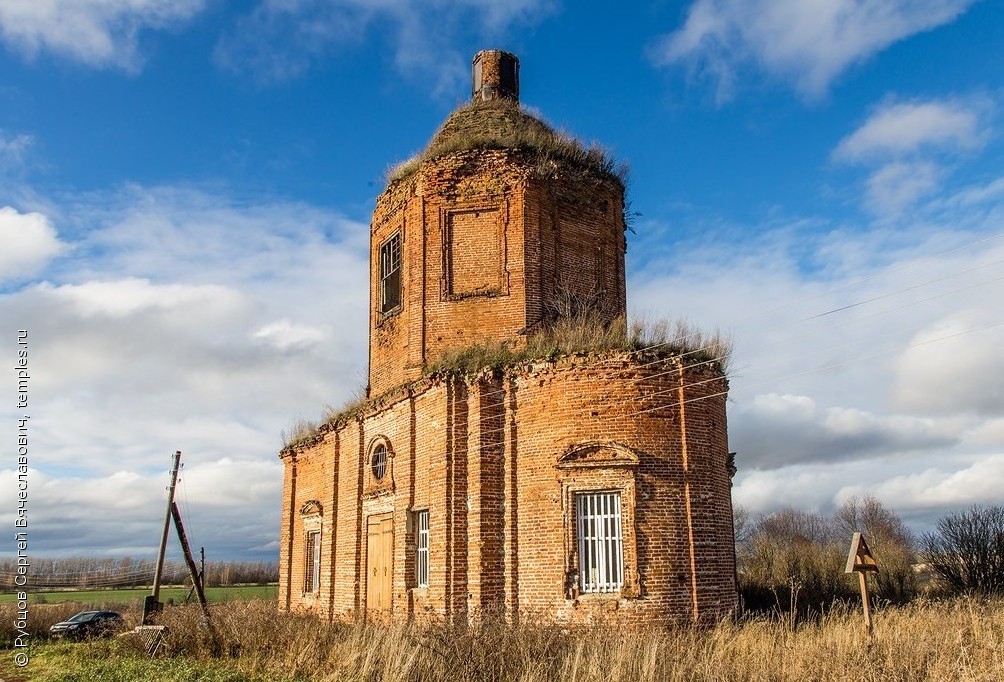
492, 248
490, 251
497, 460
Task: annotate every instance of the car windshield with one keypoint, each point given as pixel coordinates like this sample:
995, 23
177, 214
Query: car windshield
83, 617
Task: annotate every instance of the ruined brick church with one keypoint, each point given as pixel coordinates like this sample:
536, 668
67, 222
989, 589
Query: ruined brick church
576, 487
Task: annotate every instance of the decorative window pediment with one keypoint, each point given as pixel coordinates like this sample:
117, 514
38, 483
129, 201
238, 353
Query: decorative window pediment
310, 508
598, 454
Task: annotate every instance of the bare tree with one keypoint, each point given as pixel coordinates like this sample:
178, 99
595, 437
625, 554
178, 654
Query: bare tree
888, 538
967, 550
791, 560
742, 524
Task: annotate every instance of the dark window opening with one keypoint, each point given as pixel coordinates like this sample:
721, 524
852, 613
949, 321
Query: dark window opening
378, 464
390, 274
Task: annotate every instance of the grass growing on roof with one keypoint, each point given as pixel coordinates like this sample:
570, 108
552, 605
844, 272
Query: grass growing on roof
501, 124
582, 332
586, 333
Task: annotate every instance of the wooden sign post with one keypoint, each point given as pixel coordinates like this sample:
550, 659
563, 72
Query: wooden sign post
861, 561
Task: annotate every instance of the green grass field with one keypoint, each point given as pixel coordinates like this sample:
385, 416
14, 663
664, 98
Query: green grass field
178, 594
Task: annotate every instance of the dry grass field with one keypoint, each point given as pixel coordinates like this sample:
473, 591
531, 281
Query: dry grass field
951, 640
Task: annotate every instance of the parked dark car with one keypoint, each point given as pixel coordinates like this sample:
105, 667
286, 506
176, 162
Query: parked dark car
88, 624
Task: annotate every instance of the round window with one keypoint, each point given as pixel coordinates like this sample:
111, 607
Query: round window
378, 463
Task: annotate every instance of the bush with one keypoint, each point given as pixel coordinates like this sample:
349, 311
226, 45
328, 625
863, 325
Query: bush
793, 561
967, 551
890, 541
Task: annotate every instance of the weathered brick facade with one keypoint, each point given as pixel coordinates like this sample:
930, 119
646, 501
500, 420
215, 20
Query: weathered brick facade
581, 488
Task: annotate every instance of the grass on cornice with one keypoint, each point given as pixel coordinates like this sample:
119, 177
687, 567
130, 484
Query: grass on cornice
568, 335
585, 333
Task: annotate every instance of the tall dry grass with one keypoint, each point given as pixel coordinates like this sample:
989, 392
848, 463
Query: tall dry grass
954, 640
42, 616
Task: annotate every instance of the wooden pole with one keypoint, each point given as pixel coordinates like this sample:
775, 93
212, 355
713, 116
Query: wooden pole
196, 578
864, 601
152, 603
202, 574
189, 559
861, 561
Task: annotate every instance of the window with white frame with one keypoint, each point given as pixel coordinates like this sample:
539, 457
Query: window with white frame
422, 548
600, 542
312, 573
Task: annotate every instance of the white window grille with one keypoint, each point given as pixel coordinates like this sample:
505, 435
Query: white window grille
422, 548
312, 576
601, 546
378, 463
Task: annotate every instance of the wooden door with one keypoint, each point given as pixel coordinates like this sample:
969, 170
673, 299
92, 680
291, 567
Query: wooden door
379, 563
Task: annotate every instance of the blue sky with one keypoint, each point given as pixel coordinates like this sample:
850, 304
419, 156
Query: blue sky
185, 190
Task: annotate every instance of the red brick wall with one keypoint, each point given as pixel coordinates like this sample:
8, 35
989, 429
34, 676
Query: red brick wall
497, 462
494, 244
489, 247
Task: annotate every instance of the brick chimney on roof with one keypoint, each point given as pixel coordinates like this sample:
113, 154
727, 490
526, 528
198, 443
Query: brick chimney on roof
495, 76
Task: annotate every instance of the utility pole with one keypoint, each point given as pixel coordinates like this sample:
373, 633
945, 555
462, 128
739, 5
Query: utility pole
196, 578
189, 559
152, 603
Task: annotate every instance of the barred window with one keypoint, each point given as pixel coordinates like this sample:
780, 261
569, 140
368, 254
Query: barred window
601, 547
390, 274
422, 548
378, 461
312, 574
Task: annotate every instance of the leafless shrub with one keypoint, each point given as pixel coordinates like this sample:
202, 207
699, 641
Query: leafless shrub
685, 338
967, 551
299, 430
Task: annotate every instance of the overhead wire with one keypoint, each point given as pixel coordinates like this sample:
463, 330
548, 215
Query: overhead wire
716, 344
679, 366
721, 357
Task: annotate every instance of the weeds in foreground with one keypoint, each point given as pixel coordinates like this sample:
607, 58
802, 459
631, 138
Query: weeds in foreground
961, 640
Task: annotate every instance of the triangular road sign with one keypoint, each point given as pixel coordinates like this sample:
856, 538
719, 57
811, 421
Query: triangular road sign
860, 557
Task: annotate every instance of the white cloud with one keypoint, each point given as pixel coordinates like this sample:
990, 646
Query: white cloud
283, 335
13, 149
185, 320
898, 185
775, 431
132, 296
807, 42
27, 242
988, 432
825, 394
930, 487
229, 505
906, 127
279, 40
905, 146
960, 373
99, 33
939, 487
